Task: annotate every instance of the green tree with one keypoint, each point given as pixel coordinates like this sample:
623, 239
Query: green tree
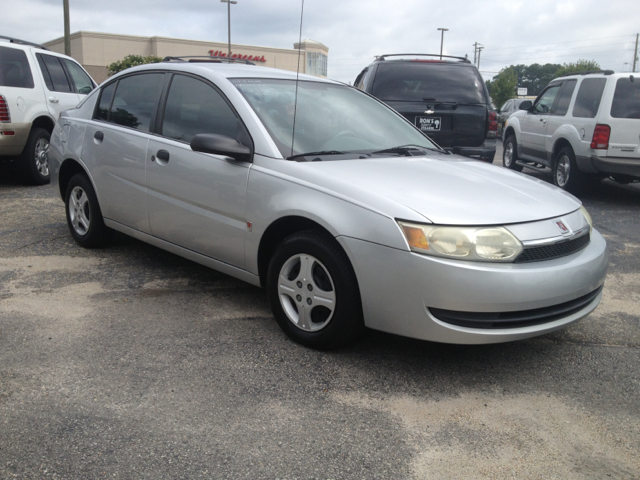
504, 86
131, 61
579, 66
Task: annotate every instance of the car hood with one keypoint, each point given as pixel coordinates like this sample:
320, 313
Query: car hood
443, 189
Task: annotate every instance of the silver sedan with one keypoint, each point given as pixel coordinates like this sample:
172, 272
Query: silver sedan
347, 214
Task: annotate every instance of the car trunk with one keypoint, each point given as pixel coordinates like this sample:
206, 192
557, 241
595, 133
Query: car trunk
447, 101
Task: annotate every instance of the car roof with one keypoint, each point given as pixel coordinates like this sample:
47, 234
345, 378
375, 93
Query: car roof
226, 70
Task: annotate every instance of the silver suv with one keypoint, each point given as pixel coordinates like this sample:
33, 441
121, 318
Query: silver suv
36, 85
583, 126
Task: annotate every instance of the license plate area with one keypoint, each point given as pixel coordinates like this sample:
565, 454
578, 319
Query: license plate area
429, 124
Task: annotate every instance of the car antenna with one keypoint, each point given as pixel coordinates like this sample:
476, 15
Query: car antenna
295, 102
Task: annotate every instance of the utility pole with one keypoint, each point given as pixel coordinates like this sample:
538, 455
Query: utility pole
229, 2
67, 29
442, 39
479, 51
475, 51
635, 54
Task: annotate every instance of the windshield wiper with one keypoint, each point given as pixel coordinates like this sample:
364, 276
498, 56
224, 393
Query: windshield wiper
406, 150
322, 152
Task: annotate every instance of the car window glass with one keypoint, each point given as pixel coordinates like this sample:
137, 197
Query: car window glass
506, 106
545, 102
626, 98
79, 77
14, 69
359, 83
59, 81
588, 98
105, 101
417, 81
327, 117
565, 97
195, 107
135, 99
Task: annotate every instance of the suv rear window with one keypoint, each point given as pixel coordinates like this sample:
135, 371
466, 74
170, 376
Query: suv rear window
588, 98
437, 82
626, 99
14, 69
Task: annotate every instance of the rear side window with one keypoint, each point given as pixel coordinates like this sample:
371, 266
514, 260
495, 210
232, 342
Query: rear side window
106, 97
135, 100
565, 97
588, 98
626, 98
81, 80
54, 75
14, 69
428, 82
195, 107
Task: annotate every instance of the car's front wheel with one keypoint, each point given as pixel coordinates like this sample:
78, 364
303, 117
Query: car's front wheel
84, 217
313, 291
510, 154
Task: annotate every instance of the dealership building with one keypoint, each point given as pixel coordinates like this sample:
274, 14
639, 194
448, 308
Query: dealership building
94, 51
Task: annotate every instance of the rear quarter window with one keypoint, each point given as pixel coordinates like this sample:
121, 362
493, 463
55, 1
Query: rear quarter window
438, 82
14, 69
626, 98
588, 98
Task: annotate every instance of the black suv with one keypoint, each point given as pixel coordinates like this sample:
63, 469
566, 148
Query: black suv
443, 96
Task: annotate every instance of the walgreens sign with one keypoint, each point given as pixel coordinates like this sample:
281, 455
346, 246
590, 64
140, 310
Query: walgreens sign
239, 56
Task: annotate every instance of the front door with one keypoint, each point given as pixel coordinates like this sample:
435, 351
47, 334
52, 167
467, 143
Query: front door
534, 123
197, 200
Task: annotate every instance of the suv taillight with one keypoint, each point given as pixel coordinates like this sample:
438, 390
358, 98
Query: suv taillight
601, 135
5, 116
493, 124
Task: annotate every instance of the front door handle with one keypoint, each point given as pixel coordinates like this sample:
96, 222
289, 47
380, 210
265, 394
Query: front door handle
162, 155
54, 99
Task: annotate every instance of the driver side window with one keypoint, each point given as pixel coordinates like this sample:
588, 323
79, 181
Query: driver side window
545, 102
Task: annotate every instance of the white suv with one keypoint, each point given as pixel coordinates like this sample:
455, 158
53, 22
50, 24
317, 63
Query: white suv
583, 126
36, 85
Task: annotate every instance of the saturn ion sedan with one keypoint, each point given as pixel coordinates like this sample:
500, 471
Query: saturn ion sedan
346, 213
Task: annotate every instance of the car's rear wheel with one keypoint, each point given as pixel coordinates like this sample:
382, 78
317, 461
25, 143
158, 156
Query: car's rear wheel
34, 159
510, 154
313, 291
565, 171
84, 217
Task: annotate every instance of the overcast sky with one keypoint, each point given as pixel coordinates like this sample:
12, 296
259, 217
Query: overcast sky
512, 32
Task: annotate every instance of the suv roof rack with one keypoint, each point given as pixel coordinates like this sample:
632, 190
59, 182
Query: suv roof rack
588, 72
384, 57
23, 42
206, 59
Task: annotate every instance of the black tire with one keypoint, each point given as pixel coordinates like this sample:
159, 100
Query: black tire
565, 171
33, 161
510, 154
84, 217
324, 272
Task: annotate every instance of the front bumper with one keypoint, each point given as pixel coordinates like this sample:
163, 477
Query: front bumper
398, 288
485, 152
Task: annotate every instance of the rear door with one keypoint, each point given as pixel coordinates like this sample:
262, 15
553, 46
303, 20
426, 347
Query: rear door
625, 119
60, 90
447, 101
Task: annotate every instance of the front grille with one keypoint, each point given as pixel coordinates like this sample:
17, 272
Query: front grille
518, 319
5, 116
557, 250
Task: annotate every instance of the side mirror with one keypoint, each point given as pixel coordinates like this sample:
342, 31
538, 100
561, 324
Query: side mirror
526, 105
220, 145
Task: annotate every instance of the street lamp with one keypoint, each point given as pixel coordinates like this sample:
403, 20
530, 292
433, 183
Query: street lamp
229, 2
442, 39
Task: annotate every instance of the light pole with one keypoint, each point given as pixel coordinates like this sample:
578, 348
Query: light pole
229, 2
442, 39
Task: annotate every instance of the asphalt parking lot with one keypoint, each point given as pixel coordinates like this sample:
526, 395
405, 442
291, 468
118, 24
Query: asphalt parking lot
130, 362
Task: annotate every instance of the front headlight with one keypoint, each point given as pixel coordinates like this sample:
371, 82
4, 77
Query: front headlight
479, 244
587, 217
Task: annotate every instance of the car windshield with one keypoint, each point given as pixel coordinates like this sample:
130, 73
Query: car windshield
330, 118
434, 82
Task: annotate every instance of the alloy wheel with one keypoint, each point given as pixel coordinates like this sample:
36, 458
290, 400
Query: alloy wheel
79, 211
41, 156
563, 171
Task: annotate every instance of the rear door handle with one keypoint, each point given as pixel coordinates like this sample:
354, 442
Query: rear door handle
162, 155
54, 99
